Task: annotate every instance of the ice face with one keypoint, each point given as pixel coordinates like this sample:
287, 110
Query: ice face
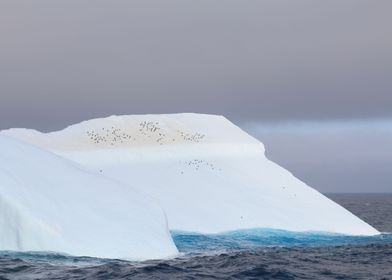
48, 203
207, 174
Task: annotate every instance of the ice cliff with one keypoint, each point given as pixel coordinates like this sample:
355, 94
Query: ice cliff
206, 173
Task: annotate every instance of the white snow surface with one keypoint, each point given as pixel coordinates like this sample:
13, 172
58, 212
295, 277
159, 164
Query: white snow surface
48, 203
208, 175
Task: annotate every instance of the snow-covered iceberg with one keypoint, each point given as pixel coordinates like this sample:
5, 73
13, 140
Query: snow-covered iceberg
207, 174
48, 203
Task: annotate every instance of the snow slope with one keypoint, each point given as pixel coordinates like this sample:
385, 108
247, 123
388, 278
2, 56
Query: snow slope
208, 175
48, 203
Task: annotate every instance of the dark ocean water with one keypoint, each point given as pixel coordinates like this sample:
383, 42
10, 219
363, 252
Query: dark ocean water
254, 254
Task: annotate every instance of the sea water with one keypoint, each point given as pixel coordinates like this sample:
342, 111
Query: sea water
250, 254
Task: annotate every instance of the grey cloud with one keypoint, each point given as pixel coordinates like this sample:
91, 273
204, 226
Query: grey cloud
65, 61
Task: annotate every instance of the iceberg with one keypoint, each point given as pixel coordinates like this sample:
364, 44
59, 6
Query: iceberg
48, 203
207, 174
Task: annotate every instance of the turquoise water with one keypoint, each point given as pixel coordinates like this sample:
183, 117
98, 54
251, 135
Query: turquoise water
261, 238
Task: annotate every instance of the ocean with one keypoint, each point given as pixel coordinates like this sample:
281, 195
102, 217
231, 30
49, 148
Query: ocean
251, 254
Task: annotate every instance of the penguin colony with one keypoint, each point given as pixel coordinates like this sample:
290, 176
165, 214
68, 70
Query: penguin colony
148, 131
152, 132
200, 164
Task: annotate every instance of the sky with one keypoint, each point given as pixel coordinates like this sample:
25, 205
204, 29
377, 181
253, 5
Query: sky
311, 79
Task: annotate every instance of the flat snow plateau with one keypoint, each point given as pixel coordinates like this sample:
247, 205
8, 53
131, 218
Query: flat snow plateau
207, 174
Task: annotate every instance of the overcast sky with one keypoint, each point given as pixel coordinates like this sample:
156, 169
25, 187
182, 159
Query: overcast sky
311, 79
